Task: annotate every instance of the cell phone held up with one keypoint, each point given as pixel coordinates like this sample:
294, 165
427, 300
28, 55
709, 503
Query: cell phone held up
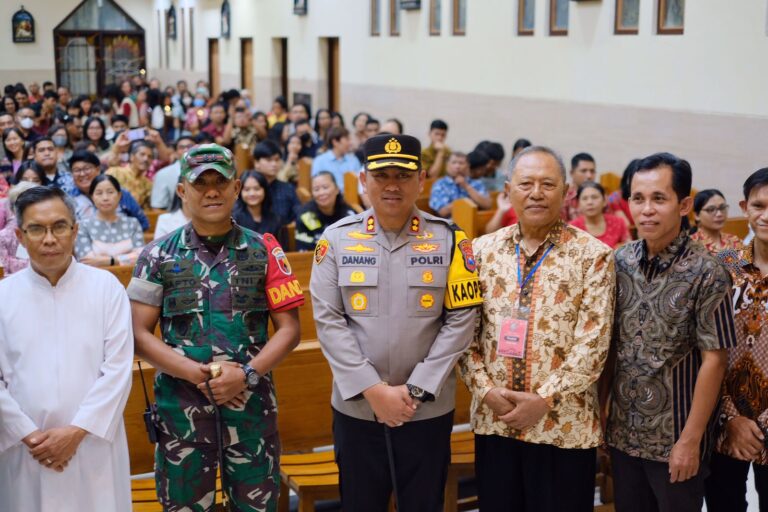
137, 134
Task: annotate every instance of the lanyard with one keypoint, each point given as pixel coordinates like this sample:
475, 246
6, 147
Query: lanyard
520, 279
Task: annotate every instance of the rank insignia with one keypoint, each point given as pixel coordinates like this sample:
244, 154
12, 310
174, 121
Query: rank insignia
359, 302
415, 225
425, 247
321, 249
427, 301
357, 277
359, 248
427, 235
370, 225
427, 277
356, 235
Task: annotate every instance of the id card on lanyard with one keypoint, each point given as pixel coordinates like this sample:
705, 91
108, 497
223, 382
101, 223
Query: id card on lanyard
513, 331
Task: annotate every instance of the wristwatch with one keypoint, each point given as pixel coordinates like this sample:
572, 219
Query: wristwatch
419, 394
251, 377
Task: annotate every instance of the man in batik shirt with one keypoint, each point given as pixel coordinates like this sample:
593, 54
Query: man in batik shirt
743, 418
548, 293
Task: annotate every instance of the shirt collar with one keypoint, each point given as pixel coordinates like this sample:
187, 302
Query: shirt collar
65, 278
670, 252
554, 236
191, 240
414, 226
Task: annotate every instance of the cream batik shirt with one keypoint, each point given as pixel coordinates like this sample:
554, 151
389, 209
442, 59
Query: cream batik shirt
570, 300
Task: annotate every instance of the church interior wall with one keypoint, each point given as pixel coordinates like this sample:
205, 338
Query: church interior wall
700, 94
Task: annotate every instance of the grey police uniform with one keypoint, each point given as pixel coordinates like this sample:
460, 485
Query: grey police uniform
396, 312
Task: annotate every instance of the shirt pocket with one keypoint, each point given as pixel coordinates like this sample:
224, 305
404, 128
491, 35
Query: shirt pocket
359, 290
426, 291
185, 310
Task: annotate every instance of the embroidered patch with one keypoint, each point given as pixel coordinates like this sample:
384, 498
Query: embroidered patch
357, 277
427, 301
356, 235
427, 235
359, 302
423, 248
465, 246
321, 249
427, 277
282, 261
359, 248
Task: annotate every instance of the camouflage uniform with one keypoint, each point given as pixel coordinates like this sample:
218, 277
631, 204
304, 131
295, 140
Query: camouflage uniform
215, 307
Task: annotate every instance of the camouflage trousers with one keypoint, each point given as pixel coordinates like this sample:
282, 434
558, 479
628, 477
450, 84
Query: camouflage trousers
185, 474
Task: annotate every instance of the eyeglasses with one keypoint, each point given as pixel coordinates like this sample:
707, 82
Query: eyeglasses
723, 208
36, 232
83, 170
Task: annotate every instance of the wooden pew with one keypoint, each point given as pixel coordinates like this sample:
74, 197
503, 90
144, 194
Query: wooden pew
304, 383
304, 179
468, 217
351, 195
243, 158
152, 215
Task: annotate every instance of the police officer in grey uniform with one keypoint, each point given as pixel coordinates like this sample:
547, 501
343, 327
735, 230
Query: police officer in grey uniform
394, 292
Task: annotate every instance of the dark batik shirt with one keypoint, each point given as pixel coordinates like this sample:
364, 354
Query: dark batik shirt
668, 309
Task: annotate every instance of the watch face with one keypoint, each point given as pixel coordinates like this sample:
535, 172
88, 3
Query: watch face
253, 379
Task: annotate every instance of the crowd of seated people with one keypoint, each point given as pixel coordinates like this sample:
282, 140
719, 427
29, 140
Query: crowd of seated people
127, 133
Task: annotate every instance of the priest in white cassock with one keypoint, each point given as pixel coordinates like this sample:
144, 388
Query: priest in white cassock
66, 353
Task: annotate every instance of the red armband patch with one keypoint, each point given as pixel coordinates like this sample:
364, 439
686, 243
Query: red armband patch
283, 289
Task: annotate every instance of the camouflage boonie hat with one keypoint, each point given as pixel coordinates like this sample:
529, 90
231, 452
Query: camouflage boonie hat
207, 157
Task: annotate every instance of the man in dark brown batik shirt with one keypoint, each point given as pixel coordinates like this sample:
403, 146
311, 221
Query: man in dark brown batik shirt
673, 323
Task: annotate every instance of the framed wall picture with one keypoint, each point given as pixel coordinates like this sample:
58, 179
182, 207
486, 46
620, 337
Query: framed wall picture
300, 7
226, 20
435, 14
459, 17
375, 18
526, 11
671, 17
23, 26
394, 17
627, 17
170, 23
558, 17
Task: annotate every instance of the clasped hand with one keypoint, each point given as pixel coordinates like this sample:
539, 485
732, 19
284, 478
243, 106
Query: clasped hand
517, 409
55, 447
392, 405
228, 388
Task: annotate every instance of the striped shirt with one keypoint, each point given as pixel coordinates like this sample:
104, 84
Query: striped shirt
668, 309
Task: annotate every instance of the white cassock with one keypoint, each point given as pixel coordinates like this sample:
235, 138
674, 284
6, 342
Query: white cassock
66, 355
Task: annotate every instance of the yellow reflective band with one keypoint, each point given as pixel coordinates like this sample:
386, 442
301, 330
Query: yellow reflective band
462, 294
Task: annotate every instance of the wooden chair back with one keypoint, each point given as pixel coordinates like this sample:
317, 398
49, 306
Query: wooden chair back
243, 158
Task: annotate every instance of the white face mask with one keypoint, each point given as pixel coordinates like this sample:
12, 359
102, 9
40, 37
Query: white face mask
27, 123
187, 100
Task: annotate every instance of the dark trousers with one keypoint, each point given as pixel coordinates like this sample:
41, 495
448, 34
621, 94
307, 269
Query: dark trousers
421, 451
514, 475
726, 485
642, 485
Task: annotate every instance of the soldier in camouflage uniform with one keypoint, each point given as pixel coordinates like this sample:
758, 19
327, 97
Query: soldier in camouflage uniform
213, 286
